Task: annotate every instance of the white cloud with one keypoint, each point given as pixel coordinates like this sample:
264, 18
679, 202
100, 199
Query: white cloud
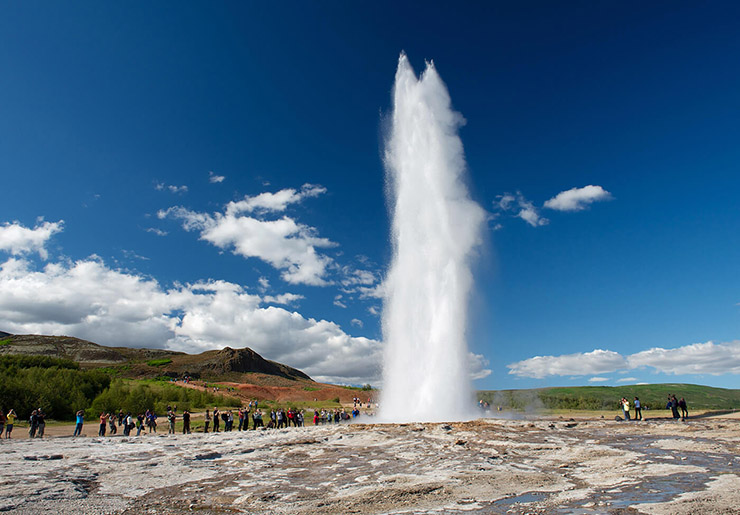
111, 307
338, 302
531, 215
588, 363
356, 322
264, 284
374, 292
18, 240
520, 207
214, 179
373, 310
627, 380
598, 379
274, 202
130, 254
171, 188
577, 199
698, 358
158, 232
285, 244
284, 298
353, 277
506, 201
477, 364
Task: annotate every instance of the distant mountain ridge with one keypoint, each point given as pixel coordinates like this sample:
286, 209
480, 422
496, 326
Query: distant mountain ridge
213, 364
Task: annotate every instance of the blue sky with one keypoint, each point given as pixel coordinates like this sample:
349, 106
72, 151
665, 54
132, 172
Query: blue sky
192, 176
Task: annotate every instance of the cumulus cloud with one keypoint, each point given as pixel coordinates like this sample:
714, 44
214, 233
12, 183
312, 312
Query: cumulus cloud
283, 298
577, 199
627, 380
698, 358
18, 240
215, 179
352, 277
287, 245
477, 364
89, 300
598, 379
588, 363
274, 202
356, 322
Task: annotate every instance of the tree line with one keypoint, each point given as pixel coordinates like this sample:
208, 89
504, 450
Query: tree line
59, 387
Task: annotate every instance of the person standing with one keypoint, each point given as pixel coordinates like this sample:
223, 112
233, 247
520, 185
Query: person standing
638, 409
626, 408
207, 421
103, 423
171, 418
684, 409
128, 424
216, 421
3, 419
186, 422
674, 407
9, 424
33, 424
80, 419
41, 423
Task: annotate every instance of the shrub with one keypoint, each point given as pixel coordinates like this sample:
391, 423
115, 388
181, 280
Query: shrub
158, 362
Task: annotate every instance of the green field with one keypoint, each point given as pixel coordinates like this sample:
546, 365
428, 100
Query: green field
652, 396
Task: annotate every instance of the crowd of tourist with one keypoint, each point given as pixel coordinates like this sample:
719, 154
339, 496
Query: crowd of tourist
214, 421
673, 404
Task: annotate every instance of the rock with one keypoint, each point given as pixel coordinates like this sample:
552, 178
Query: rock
44, 457
207, 456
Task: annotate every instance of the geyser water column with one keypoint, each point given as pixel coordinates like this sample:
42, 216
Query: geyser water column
435, 230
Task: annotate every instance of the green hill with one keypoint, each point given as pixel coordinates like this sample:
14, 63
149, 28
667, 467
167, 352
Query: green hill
652, 396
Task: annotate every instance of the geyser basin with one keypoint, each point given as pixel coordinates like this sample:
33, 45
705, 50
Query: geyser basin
436, 228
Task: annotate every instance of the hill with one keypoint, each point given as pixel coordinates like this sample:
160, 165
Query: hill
214, 365
652, 396
242, 372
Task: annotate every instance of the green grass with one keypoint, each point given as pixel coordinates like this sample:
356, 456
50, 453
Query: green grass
652, 396
311, 388
6, 341
158, 362
116, 370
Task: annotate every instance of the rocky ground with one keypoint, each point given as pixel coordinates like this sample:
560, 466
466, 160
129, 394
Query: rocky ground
484, 466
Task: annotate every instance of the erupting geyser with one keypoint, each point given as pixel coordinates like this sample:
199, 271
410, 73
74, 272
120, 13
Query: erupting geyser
435, 230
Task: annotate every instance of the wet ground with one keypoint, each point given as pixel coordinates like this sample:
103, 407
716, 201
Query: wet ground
485, 466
